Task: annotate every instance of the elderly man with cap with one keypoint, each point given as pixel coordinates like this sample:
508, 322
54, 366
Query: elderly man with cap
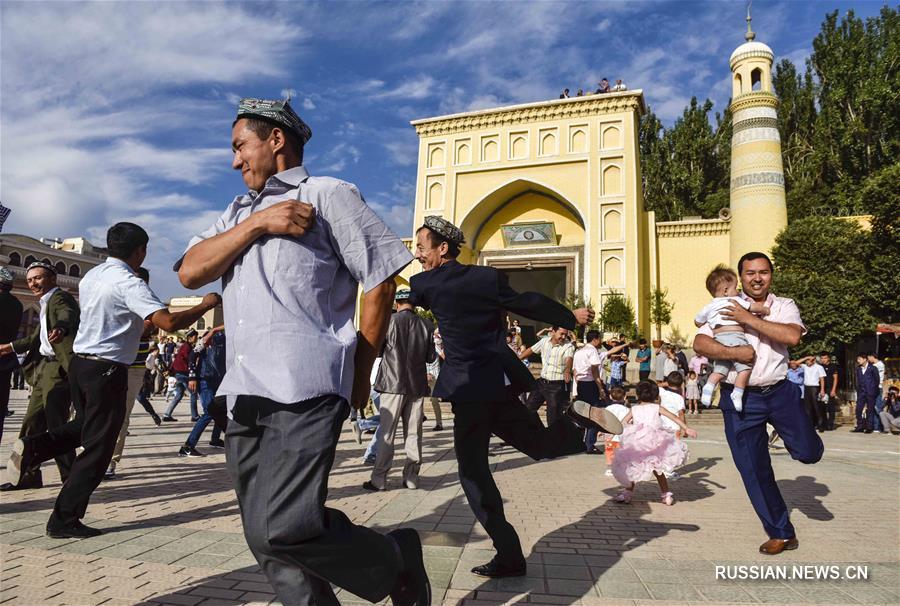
292, 253
115, 302
403, 384
10, 319
48, 352
482, 378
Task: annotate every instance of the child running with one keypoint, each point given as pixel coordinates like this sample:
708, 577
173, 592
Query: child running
648, 450
722, 285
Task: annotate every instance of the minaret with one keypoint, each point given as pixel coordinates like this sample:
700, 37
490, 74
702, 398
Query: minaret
758, 209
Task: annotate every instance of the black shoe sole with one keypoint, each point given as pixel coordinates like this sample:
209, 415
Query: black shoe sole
414, 563
518, 572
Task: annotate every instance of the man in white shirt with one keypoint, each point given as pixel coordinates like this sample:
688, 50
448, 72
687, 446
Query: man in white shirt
587, 363
879, 397
813, 391
114, 304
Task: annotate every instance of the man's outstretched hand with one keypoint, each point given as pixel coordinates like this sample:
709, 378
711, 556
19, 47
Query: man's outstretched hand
583, 315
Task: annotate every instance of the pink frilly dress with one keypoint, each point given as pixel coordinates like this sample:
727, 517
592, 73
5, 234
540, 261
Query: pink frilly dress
647, 447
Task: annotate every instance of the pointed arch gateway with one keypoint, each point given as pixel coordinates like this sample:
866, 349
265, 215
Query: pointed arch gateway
555, 267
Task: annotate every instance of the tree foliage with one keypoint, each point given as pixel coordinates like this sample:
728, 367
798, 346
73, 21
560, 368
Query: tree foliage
821, 263
660, 309
617, 314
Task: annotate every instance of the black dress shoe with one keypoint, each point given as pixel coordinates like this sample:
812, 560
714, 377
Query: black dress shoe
497, 569
156, 419
867, 431
367, 485
168, 419
412, 587
857, 430
76, 530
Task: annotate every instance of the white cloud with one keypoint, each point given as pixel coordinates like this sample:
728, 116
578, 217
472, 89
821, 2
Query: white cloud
308, 104
416, 88
603, 25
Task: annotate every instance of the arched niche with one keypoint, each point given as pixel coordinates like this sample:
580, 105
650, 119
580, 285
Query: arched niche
519, 147
15, 259
435, 195
60, 268
548, 144
463, 154
611, 138
75, 271
736, 88
578, 141
612, 225
612, 271
436, 156
756, 83
612, 180
490, 151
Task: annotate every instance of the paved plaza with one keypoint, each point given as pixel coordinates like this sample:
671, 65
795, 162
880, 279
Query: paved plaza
173, 531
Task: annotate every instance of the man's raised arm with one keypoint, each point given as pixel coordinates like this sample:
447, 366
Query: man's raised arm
209, 259
713, 350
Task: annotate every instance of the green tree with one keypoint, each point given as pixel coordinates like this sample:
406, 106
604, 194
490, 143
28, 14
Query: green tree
660, 309
820, 262
881, 193
617, 314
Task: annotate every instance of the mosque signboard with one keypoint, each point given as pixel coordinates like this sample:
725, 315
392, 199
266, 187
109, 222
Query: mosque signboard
539, 233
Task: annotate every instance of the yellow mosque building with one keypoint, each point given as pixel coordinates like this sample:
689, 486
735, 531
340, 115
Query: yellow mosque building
550, 192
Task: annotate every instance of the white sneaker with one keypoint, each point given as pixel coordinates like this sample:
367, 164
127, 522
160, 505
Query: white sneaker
673, 476
357, 433
608, 473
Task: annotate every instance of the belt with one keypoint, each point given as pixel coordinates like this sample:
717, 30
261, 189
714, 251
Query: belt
542, 380
760, 388
94, 358
50, 358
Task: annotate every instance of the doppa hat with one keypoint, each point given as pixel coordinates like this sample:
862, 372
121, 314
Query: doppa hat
43, 265
6, 277
277, 112
446, 229
402, 295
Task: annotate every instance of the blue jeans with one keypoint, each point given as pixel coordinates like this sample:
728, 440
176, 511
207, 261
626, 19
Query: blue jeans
879, 405
373, 422
207, 393
180, 388
589, 392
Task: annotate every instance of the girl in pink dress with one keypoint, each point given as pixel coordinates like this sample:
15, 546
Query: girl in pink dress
648, 450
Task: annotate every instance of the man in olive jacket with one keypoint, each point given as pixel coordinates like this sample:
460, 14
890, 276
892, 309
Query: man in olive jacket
48, 351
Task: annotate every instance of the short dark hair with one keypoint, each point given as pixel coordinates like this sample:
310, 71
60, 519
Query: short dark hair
753, 256
591, 335
144, 274
617, 394
263, 128
642, 342
123, 239
674, 379
721, 274
871, 353
437, 239
647, 391
824, 353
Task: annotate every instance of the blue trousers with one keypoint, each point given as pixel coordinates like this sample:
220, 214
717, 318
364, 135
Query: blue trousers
877, 425
589, 392
207, 394
747, 437
180, 388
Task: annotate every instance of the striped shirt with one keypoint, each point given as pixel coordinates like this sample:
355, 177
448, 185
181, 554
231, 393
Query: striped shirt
143, 351
553, 358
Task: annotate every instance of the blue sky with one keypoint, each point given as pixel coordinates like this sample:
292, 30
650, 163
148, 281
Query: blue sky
122, 110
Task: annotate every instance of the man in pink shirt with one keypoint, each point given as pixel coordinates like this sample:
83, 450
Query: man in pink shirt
770, 398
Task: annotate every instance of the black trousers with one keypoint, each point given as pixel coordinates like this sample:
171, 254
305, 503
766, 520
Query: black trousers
521, 428
279, 457
5, 385
554, 393
830, 412
813, 407
643, 375
98, 394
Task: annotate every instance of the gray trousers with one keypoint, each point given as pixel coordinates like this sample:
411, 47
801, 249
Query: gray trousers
393, 409
279, 457
890, 422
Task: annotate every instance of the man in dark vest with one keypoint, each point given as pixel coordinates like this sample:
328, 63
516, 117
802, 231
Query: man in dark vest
482, 378
48, 352
10, 319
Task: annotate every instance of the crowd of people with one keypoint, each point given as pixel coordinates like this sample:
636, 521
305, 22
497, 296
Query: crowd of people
602, 87
291, 254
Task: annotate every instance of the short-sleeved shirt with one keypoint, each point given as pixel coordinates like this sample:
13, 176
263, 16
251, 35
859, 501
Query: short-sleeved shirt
114, 304
644, 352
831, 375
672, 402
771, 364
696, 364
879, 366
617, 369
812, 374
553, 358
712, 313
584, 359
795, 375
289, 302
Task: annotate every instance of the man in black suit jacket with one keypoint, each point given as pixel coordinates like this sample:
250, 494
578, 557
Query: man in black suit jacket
481, 378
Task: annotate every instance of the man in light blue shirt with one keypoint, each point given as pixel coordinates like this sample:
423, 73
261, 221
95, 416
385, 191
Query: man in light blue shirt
114, 304
290, 272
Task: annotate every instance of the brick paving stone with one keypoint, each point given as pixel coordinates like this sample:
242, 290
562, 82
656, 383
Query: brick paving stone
173, 533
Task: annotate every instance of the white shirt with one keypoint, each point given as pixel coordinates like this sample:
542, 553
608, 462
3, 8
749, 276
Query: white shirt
114, 303
672, 402
585, 358
47, 347
621, 411
812, 374
669, 366
879, 366
712, 313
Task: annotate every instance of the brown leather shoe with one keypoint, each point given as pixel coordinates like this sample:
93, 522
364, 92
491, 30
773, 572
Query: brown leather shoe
776, 546
592, 417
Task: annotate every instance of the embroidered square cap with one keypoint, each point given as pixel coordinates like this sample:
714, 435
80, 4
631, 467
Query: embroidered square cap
278, 112
446, 229
43, 265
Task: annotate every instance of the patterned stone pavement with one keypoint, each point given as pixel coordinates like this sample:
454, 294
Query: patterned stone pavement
173, 533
